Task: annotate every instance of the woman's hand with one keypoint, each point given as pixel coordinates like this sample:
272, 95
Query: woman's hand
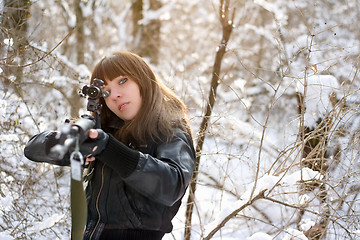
94, 145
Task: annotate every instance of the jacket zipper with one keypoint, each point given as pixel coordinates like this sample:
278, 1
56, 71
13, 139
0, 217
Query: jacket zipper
97, 202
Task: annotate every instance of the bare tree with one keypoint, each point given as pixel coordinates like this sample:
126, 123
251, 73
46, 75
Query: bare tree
226, 17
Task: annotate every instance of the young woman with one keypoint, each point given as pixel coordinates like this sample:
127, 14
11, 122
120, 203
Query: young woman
142, 158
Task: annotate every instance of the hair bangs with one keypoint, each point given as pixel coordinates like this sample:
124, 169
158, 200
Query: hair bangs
108, 69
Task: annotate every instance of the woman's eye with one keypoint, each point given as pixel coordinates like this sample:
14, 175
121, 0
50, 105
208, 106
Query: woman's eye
123, 80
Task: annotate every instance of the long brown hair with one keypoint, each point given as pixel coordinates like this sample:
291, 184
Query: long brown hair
161, 110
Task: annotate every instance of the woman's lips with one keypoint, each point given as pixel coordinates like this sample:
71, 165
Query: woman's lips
122, 106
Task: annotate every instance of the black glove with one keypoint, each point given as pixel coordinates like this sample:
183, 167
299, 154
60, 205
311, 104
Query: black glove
87, 147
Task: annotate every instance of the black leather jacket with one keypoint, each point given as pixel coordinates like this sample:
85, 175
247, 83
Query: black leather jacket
132, 188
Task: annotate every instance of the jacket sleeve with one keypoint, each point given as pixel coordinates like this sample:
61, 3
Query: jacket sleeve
39, 146
163, 177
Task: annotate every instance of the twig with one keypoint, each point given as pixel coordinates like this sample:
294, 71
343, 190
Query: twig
234, 213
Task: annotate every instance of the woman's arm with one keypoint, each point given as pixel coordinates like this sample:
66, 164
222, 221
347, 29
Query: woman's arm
163, 177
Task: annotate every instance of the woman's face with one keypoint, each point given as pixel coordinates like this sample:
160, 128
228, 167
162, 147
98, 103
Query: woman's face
124, 99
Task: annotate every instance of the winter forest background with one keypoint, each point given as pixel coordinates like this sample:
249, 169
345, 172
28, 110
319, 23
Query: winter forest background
272, 88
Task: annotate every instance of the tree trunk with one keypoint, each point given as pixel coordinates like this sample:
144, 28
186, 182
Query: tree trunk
137, 15
146, 35
227, 26
80, 44
80, 35
14, 28
314, 156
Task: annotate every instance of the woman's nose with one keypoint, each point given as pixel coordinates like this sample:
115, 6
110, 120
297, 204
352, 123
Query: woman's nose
115, 94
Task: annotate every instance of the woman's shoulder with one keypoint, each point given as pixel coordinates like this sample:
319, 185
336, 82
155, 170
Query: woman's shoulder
182, 133
179, 135
180, 140
175, 134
